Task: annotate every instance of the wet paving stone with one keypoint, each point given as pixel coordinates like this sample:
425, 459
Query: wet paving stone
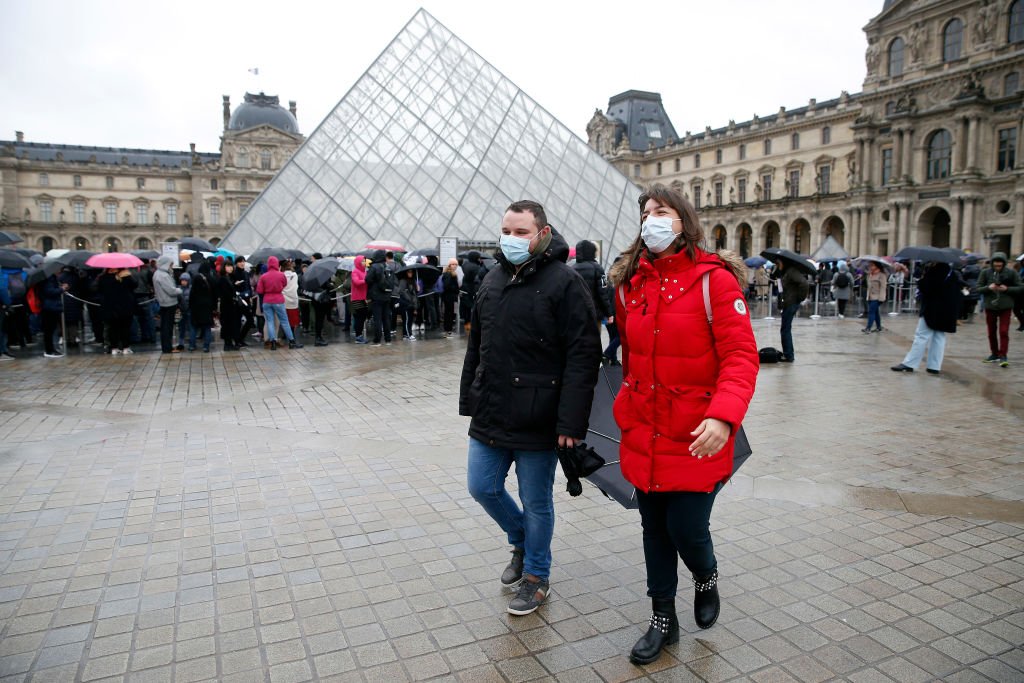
303, 515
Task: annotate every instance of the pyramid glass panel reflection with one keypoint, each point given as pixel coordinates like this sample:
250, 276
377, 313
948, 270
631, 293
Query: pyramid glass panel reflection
434, 141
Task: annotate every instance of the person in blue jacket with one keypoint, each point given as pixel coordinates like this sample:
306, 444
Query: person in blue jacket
5, 309
51, 291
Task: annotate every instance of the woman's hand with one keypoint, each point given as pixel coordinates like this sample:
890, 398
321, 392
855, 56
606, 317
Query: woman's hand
711, 436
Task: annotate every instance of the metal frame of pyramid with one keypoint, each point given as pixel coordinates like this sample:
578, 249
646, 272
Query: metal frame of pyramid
433, 141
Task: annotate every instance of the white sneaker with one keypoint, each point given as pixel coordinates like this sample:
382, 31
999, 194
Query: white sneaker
127, 352
115, 352
4, 356
412, 337
53, 355
842, 317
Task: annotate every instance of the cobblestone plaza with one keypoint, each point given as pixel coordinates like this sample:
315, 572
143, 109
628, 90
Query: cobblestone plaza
303, 515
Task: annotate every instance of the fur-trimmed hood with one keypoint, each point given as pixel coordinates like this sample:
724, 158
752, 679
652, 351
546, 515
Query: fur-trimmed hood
619, 273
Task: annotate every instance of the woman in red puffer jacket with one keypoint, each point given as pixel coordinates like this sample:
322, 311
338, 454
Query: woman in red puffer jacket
685, 391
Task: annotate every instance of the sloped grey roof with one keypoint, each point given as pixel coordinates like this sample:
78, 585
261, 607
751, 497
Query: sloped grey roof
43, 151
830, 250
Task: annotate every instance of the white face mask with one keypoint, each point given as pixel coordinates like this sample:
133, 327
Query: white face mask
657, 233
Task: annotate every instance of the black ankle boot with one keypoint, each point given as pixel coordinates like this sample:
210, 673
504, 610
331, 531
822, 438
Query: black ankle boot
706, 604
664, 630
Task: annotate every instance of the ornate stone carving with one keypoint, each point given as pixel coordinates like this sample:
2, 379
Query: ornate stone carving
918, 40
984, 24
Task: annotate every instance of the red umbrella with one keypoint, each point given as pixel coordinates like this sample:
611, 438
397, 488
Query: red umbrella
113, 259
386, 245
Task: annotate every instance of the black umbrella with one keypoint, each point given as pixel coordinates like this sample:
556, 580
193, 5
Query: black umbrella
146, 254
195, 244
320, 273
603, 436
12, 259
926, 254
774, 253
297, 255
423, 252
261, 255
9, 238
37, 275
76, 258
972, 259
578, 462
425, 268
27, 252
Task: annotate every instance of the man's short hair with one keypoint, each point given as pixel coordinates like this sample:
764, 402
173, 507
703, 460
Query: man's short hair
389, 254
527, 206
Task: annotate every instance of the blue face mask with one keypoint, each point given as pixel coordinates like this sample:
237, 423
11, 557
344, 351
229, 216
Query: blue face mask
515, 249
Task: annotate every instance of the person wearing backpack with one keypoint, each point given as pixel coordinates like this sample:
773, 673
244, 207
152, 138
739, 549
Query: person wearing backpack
380, 285
590, 270
407, 301
685, 391
842, 288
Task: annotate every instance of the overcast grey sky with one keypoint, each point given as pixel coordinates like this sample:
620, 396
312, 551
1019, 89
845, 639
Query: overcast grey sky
151, 74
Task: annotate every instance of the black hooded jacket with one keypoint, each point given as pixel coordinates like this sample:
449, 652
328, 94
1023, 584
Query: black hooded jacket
470, 273
940, 289
377, 278
533, 355
593, 276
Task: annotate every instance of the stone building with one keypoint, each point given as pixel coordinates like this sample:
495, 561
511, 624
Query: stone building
110, 199
926, 153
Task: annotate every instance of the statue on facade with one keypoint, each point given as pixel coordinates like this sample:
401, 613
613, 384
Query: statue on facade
709, 199
851, 169
757, 191
917, 42
970, 87
817, 182
732, 194
985, 24
872, 56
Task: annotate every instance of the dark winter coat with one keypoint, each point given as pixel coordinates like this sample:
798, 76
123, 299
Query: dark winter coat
116, 296
201, 300
450, 287
533, 354
998, 301
941, 291
794, 284
375, 279
593, 276
51, 293
677, 371
471, 274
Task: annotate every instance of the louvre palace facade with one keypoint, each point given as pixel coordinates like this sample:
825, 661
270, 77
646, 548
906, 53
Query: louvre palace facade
110, 199
927, 153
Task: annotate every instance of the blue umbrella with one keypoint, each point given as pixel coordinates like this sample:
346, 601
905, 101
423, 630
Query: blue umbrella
755, 261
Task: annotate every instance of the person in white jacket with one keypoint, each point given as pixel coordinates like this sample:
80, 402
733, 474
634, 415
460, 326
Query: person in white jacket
291, 296
167, 294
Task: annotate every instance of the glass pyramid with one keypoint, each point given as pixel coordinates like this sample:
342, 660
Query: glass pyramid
433, 141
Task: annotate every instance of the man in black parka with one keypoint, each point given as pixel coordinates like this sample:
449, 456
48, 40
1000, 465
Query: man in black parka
527, 382
593, 277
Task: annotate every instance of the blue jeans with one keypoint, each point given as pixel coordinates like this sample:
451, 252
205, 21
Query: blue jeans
925, 336
185, 329
788, 313
532, 527
275, 313
874, 315
207, 335
3, 334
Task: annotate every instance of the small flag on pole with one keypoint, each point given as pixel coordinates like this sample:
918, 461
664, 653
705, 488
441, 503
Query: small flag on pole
255, 71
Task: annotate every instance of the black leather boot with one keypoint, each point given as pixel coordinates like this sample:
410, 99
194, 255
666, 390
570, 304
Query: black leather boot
706, 604
664, 630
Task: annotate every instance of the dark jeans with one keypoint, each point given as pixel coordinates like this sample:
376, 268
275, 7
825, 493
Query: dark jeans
167, 328
381, 315
120, 331
51, 323
612, 352
873, 314
788, 313
676, 525
360, 312
448, 308
144, 316
304, 315
407, 315
841, 305
321, 310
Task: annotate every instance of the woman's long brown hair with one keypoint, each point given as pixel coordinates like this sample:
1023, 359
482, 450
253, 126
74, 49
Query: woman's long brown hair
689, 239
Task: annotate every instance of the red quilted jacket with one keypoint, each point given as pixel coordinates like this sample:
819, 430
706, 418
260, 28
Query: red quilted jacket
676, 373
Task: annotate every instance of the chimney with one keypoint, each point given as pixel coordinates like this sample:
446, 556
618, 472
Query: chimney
291, 108
227, 110
19, 136
192, 147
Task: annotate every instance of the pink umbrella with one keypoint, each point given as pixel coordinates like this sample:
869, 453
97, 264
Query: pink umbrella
386, 245
113, 259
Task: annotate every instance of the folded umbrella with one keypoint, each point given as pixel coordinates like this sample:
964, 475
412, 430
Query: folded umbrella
113, 259
9, 238
790, 257
578, 461
12, 259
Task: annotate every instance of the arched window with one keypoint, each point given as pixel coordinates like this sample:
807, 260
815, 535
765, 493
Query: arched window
1011, 83
80, 243
940, 147
718, 156
143, 243
113, 244
952, 40
696, 160
1016, 32
47, 243
896, 57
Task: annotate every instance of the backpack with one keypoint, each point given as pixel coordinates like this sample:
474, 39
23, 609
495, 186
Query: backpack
388, 281
769, 355
842, 281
